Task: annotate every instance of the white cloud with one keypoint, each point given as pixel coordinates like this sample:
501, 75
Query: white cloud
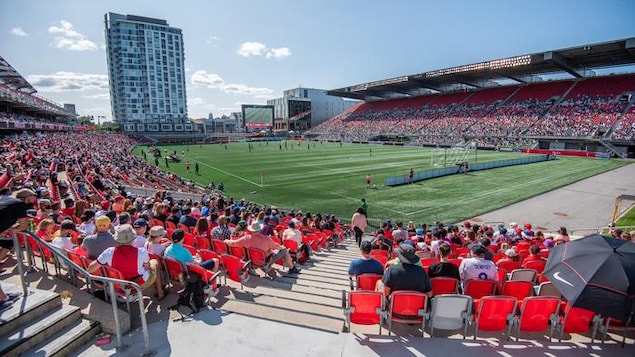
18, 31
68, 81
212, 40
248, 49
70, 39
279, 53
213, 80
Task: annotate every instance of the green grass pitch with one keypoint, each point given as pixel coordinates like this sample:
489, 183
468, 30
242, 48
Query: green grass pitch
329, 178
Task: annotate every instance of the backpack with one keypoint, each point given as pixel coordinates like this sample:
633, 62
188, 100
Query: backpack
193, 295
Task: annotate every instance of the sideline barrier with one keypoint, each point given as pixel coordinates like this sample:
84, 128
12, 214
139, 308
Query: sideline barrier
460, 168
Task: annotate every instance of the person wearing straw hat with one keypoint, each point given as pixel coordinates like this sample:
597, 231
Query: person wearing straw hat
256, 240
134, 263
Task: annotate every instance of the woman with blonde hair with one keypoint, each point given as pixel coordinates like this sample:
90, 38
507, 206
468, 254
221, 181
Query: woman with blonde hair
45, 229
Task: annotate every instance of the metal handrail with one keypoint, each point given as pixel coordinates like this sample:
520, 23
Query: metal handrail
138, 294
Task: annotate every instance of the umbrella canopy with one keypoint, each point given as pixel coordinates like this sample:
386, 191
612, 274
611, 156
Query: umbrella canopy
596, 273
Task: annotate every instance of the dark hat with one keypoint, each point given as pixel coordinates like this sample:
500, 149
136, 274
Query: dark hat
406, 254
291, 224
478, 249
68, 224
366, 247
140, 223
178, 235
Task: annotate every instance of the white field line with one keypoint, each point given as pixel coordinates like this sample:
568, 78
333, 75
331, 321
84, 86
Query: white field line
230, 174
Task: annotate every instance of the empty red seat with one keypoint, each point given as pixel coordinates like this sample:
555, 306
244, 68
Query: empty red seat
495, 313
538, 313
367, 281
363, 308
444, 285
407, 307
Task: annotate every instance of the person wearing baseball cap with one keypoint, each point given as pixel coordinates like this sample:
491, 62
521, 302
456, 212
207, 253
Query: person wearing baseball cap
477, 267
133, 263
140, 227
96, 243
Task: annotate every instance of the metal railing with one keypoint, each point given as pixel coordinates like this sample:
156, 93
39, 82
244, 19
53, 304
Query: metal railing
75, 269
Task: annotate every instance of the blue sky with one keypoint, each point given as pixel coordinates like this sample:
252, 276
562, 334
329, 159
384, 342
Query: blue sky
247, 51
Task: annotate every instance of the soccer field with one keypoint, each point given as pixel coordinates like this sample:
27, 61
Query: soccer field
329, 178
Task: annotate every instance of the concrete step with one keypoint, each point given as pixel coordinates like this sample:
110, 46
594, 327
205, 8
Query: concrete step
37, 330
295, 295
280, 314
66, 340
26, 308
305, 307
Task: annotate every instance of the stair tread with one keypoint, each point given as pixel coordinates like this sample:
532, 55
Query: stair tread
23, 305
295, 295
308, 320
64, 337
306, 306
33, 327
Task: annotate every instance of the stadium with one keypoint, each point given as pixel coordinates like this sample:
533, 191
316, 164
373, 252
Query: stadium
460, 152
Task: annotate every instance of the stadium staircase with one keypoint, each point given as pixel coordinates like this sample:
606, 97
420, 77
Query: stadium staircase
40, 325
310, 299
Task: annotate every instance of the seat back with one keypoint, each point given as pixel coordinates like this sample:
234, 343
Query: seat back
363, 307
235, 269
517, 288
449, 311
189, 239
176, 271
367, 282
219, 246
455, 261
379, 252
76, 258
508, 265
291, 245
479, 288
238, 252
407, 306
203, 243
537, 312
548, 289
426, 262
444, 285
524, 274
113, 273
537, 265
258, 257
577, 319
170, 225
495, 313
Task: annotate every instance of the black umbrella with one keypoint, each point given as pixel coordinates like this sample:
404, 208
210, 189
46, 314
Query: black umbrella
596, 273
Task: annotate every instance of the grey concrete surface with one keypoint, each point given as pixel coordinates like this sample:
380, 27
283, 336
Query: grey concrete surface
582, 207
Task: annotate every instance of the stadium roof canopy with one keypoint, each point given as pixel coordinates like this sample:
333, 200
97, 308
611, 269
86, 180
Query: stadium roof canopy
574, 62
11, 78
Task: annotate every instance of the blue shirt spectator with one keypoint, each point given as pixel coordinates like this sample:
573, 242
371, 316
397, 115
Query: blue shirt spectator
365, 263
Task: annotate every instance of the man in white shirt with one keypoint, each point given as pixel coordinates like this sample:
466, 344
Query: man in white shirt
140, 226
477, 267
294, 234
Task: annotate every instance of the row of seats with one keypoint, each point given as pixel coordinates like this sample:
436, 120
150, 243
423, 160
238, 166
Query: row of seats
455, 311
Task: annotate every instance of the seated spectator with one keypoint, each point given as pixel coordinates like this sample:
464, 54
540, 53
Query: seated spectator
534, 255
63, 241
294, 234
486, 242
178, 252
134, 263
444, 268
153, 245
221, 232
399, 234
256, 240
95, 244
45, 229
407, 275
477, 267
381, 242
87, 226
186, 217
140, 226
13, 216
365, 263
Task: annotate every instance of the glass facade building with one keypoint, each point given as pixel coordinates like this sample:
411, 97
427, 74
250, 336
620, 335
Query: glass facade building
146, 72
